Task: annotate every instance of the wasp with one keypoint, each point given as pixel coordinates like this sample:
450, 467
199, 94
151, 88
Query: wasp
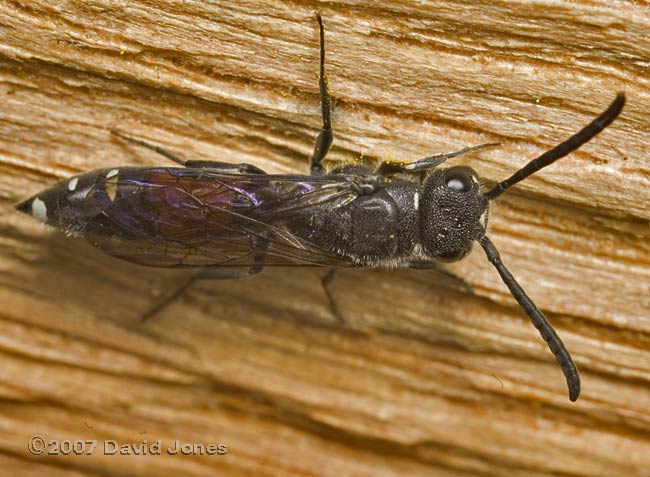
232, 220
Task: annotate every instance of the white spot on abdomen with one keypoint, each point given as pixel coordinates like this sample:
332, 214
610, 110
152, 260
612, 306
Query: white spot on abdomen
39, 210
416, 200
72, 185
111, 190
111, 185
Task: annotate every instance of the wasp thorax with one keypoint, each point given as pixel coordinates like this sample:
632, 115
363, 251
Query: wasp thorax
453, 213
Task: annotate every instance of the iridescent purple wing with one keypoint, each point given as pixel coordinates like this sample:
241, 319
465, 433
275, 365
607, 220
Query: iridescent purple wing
186, 217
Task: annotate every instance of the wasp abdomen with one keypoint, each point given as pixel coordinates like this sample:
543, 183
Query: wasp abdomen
71, 203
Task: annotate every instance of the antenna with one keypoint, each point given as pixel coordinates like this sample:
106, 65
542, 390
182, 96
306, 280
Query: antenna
561, 150
537, 317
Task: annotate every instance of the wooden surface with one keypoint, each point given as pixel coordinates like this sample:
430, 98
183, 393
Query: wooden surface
425, 380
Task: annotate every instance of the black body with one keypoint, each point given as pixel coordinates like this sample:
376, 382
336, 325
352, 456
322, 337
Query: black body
223, 216
188, 217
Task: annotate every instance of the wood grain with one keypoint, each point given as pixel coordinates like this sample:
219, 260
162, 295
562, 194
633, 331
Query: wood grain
425, 379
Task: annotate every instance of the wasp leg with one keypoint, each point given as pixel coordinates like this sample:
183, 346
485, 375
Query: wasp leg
216, 166
216, 273
426, 163
226, 167
325, 137
433, 265
153, 147
334, 308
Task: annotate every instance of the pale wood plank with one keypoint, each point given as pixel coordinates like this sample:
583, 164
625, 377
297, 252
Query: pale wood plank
425, 380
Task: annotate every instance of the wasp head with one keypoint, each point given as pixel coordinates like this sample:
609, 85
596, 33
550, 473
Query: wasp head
453, 213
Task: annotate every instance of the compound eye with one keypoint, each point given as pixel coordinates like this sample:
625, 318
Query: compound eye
452, 255
460, 178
